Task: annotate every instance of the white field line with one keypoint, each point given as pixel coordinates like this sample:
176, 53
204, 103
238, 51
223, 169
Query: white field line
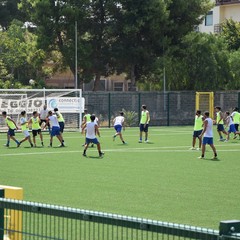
122, 150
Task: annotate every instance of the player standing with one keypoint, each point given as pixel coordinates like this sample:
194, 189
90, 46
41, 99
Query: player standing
236, 120
118, 123
55, 126
91, 131
12, 126
198, 127
36, 128
144, 121
207, 134
219, 122
24, 127
60, 121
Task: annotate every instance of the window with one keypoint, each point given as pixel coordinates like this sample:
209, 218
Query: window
118, 86
209, 19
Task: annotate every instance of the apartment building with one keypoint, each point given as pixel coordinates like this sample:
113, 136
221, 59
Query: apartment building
223, 9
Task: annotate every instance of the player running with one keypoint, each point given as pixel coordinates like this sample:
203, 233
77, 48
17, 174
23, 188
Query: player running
91, 131
24, 126
231, 126
118, 123
219, 122
12, 126
236, 120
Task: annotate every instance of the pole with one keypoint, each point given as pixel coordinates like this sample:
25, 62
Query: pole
1, 217
164, 87
76, 62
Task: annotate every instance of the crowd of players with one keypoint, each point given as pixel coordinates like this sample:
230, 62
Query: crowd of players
52, 120
203, 128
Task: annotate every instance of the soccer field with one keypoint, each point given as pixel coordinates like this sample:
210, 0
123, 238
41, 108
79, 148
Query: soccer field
161, 180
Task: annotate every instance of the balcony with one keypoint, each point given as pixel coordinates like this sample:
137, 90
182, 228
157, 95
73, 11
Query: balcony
226, 2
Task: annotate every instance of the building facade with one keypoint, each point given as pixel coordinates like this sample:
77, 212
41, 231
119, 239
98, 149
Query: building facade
223, 9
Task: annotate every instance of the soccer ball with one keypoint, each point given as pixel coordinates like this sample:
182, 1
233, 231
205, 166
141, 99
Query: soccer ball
31, 82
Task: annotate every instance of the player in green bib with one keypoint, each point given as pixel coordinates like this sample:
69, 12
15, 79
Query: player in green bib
144, 121
60, 121
236, 119
197, 130
36, 128
12, 126
219, 122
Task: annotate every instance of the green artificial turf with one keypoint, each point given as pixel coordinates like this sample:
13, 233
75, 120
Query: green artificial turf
161, 180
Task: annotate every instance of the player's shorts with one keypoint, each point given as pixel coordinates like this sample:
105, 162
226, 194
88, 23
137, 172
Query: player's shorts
207, 140
35, 132
220, 127
89, 140
118, 128
61, 124
44, 121
236, 126
197, 133
55, 131
26, 133
11, 132
142, 128
232, 128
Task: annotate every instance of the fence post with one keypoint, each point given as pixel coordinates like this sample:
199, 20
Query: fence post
1, 216
139, 106
168, 109
238, 101
109, 109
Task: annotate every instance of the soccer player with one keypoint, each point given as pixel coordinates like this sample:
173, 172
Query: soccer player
118, 123
236, 120
207, 134
86, 118
36, 128
12, 126
231, 126
198, 127
55, 126
144, 122
219, 122
24, 127
91, 131
60, 121
43, 115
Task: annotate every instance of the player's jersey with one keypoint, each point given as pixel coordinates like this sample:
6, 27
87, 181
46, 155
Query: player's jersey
87, 116
90, 130
144, 117
236, 117
119, 120
209, 129
43, 114
198, 124
9, 123
60, 117
219, 117
229, 121
35, 123
53, 121
24, 123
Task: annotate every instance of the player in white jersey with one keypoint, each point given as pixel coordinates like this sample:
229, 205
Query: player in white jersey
118, 123
231, 127
207, 134
24, 126
52, 119
91, 131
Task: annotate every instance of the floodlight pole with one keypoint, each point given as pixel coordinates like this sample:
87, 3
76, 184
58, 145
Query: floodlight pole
76, 61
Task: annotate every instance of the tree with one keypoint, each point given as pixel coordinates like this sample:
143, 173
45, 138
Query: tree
235, 70
19, 53
8, 12
200, 63
231, 34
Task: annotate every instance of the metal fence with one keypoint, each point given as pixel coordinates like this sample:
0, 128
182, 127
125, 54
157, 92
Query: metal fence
26, 220
169, 109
